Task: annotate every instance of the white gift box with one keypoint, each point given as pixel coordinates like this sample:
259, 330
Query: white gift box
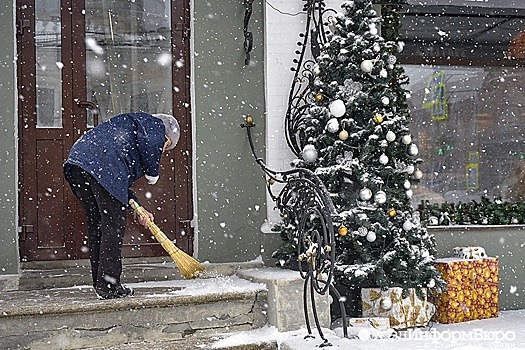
470, 252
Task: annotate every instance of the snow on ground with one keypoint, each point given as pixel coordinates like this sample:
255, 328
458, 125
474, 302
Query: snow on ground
504, 332
222, 284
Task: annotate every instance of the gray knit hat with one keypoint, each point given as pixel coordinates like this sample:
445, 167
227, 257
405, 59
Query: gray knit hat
172, 128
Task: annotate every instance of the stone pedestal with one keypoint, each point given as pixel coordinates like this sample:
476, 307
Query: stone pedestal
285, 298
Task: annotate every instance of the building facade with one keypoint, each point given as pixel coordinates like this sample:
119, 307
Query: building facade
68, 65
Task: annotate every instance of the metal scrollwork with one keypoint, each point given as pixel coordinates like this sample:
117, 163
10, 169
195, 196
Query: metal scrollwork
305, 202
300, 97
248, 36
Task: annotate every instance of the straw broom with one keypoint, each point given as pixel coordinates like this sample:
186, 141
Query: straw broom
188, 266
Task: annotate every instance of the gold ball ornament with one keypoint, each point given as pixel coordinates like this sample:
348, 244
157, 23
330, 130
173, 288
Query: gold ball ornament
343, 135
249, 120
392, 212
319, 98
343, 231
378, 118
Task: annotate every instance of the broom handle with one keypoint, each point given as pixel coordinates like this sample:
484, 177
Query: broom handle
157, 232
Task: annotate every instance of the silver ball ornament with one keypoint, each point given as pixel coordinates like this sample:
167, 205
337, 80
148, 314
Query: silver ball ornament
390, 136
380, 197
406, 139
316, 70
391, 59
309, 153
413, 150
365, 194
362, 231
367, 66
337, 108
332, 125
383, 159
386, 303
371, 236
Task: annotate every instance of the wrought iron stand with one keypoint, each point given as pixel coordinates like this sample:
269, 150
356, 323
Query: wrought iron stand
305, 201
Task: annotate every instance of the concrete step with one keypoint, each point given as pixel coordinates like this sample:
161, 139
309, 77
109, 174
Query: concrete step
178, 311
62, 274
192, 344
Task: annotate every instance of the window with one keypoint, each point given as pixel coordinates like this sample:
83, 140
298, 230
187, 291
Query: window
466, 72
469, 123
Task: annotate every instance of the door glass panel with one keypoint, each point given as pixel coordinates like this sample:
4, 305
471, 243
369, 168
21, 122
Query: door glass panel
48, 64
128, 57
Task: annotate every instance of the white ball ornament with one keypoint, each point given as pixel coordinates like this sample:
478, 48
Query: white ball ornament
309, 153
365, 194
431, 283
407, 225
332, 125
376, 47
386, 303
410, 169
373, 31
407, 184
337, 108
390, 136
418, 174
371, 236
413, 150
316, 70
380, 197
390, 66
367, 66
383, 159
383, 73
409, 193
385, 100
406, 139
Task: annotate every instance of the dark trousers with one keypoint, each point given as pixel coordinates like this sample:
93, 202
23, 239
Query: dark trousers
106, 222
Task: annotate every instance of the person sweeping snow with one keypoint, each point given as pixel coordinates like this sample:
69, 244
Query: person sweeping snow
101, 167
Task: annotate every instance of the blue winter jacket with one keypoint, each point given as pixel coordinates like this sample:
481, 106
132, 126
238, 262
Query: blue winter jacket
119, 152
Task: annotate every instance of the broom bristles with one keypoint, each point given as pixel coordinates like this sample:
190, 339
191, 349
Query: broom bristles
188, 266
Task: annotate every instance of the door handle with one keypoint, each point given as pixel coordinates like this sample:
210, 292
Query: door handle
89, 105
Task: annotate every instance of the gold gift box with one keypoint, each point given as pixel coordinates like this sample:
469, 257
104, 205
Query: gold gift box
472, 290
402, 312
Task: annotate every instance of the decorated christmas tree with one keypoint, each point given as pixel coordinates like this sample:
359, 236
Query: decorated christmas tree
359, 143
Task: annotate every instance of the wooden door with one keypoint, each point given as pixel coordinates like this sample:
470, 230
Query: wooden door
80, 63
